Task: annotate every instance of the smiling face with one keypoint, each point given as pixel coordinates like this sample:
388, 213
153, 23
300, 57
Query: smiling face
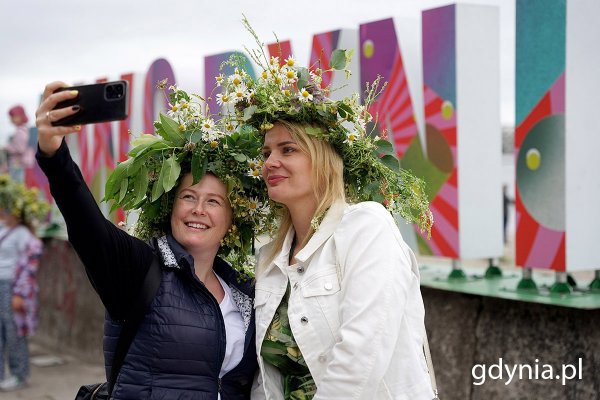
201, 214
287, 170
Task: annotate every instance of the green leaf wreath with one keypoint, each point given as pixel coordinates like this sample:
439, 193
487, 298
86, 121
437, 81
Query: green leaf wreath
285, 91
191, 139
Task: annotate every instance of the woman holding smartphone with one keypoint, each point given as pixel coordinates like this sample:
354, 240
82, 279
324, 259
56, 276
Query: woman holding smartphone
198, 210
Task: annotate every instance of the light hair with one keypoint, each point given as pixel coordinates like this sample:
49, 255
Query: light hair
327, 176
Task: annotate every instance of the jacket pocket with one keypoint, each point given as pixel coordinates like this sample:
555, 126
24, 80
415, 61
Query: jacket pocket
323, 283
261, 297
321, 294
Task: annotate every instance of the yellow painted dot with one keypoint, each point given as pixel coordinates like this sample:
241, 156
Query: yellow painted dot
447, 110
368, 48
533, 159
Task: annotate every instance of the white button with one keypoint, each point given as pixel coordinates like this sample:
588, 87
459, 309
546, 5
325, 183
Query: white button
328, 286
322, 358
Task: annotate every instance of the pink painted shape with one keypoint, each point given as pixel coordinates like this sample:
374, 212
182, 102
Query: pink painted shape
400, 149
544, 248
409, 131
439, 122
429, 95
453, 150
406, 112
557, 96
446, 229
394, 88
435, 250
450, 195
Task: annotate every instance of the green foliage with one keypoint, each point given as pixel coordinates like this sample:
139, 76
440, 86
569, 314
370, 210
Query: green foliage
228, 143
26, 204
190, 140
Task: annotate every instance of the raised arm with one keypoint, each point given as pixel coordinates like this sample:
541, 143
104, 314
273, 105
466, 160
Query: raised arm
115, 262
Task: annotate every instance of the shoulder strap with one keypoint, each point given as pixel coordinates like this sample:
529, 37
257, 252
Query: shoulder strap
136, 314
430, 367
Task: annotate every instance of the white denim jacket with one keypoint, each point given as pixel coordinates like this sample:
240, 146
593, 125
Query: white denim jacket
355, 309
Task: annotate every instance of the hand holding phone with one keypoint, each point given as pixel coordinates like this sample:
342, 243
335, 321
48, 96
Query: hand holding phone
100, 102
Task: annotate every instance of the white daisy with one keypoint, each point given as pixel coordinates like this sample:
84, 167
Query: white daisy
274, 61
254, 205
350, 138
236, 80
207, 125
240, 93
265, 75
254, 173
289, 75
304, 95
224, 98
290, 61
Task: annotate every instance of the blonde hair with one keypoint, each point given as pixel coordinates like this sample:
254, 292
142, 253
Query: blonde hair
327, 177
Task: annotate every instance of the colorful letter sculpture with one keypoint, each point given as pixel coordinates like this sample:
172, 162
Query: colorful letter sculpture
556, 138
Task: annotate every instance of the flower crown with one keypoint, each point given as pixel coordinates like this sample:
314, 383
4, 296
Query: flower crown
285, 91
228, 144
22, 202
190, 140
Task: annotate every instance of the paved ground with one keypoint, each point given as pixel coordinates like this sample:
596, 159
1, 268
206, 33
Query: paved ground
55, 376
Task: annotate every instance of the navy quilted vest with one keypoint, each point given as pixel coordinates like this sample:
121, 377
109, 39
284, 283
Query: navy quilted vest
180, 345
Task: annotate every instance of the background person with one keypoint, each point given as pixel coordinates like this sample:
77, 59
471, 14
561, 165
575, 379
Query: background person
20, 251
20, 155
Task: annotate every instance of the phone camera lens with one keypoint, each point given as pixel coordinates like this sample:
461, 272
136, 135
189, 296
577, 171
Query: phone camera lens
114, 91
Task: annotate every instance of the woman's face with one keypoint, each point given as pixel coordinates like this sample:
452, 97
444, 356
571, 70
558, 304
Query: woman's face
287, 170
201, 213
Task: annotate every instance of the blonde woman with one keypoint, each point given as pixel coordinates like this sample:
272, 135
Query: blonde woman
339, 309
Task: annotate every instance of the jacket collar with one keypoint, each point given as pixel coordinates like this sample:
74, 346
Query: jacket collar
326, 228
175, 256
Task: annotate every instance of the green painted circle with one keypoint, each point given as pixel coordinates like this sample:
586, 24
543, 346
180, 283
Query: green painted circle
368, 48
542, 189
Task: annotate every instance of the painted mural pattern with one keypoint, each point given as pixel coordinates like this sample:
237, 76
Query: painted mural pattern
540, 135
322, 46
394, 108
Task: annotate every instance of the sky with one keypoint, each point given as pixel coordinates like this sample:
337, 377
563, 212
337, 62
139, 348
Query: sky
80, 41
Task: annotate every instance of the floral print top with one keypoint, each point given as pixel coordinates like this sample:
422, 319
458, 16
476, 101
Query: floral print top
280, 350
25, 285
